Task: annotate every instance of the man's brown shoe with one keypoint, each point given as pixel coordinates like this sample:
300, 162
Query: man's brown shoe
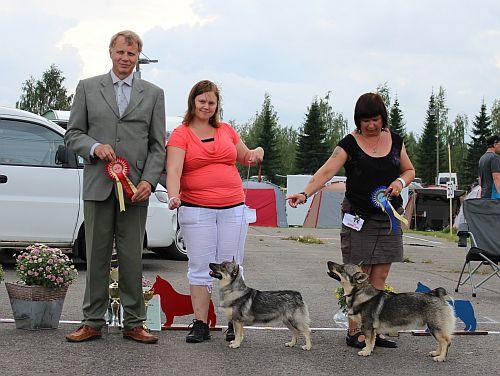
83, 333
140, 334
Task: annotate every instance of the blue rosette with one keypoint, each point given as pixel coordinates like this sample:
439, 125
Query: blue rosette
381, 200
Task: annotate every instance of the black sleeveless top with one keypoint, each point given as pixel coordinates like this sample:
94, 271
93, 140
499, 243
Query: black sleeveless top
365, 173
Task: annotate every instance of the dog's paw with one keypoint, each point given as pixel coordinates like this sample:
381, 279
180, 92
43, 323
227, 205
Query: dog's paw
364, 352
433, 353
234, 344
290, 344
439, 358
307, 347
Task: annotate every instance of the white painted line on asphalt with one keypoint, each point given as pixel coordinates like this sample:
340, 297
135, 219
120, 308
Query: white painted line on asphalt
268, 328
424, 240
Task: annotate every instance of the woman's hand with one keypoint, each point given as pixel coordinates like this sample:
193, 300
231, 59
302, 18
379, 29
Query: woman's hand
394, 188
174, 203
256, 155
296, 199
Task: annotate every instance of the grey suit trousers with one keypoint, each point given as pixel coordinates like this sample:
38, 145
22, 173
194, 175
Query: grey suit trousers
103, 219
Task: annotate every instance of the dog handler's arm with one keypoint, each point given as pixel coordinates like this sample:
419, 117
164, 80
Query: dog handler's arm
175, 163
407, 174
246, 156
319, 179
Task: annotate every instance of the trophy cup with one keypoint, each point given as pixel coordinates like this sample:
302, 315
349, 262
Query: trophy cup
114, 300
148, 295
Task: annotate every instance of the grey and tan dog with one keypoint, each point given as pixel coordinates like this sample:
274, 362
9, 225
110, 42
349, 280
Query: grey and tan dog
246, 306
381, 312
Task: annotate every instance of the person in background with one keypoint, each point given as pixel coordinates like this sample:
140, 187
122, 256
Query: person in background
489, 169
204, 183
373, 156
117, 115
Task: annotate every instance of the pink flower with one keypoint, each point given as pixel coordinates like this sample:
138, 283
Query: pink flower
30, 272
35, 274
48, 268
50, 261
60, 279
21, 267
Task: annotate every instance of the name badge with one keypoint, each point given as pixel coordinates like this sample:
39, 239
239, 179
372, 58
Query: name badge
353, 221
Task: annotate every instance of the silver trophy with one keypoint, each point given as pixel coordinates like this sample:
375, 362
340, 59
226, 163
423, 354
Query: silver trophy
114, 316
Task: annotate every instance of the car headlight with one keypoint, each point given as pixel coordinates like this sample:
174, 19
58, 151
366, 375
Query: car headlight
161, 196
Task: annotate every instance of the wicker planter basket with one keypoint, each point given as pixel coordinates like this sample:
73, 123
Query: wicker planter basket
36, 307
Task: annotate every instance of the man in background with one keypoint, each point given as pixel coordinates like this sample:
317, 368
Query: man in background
489, 169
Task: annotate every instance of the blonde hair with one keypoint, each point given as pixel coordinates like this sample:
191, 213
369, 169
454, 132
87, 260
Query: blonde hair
129, 36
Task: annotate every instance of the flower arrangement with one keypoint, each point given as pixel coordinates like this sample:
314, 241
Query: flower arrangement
41, 265
1, 273
146, 284
339, 294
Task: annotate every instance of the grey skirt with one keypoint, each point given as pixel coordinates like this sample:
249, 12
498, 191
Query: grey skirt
372, 244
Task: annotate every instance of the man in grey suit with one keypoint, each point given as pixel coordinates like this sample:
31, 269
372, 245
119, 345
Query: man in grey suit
117, 115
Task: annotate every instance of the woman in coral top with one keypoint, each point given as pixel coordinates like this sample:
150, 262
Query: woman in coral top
203, 182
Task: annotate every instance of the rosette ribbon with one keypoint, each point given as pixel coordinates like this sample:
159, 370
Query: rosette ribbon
118, 171
381, 200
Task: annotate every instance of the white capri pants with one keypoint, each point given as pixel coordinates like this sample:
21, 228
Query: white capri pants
213, 235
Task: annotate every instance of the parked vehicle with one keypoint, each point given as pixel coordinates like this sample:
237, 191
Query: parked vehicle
40, 191
444, 177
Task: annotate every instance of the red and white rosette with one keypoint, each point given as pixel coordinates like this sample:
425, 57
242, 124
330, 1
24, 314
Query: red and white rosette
118, 171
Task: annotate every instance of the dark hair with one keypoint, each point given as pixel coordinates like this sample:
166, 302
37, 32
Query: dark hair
202, 87
369, 105
490, 141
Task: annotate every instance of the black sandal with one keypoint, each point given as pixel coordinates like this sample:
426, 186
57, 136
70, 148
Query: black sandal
352, 340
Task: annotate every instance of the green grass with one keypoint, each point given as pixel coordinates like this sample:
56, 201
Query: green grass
444, 234
307, 239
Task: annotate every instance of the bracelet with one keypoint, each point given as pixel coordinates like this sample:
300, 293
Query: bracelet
305, 195
402, 181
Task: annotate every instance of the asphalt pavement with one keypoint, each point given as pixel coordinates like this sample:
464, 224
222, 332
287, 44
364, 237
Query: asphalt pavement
271, 262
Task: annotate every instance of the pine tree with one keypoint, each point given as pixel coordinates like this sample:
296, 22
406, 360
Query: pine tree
411, 145
455, 136
481, 130
313, 150
39, 96
426, 157
495, 117
385, 92
287, 144
335, 124
397, 123
267, 122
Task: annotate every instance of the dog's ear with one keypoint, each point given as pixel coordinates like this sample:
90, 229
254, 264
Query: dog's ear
236, 270
360, 277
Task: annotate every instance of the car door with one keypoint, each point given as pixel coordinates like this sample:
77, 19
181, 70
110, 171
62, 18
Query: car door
39, 199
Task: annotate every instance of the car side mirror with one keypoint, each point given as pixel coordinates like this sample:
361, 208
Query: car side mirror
62, 155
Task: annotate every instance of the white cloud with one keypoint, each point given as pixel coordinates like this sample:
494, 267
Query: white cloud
294, 50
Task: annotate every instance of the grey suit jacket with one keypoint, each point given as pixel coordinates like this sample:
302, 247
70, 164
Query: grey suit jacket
138, 135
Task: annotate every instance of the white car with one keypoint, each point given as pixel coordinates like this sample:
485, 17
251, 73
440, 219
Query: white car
40, 191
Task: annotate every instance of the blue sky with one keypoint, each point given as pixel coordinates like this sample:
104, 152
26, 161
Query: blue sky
294, 50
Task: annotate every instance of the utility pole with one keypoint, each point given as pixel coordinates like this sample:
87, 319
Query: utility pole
140, 61
435, 112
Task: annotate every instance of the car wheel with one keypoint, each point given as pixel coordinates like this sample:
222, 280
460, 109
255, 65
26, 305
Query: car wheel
176, 251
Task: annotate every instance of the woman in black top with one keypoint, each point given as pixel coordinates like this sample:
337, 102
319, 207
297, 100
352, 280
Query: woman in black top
373, 157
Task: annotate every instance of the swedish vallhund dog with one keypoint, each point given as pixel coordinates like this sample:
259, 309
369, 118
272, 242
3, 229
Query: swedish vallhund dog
246, 306
381, 312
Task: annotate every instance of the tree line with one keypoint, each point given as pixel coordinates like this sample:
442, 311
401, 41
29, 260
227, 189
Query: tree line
303, 149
